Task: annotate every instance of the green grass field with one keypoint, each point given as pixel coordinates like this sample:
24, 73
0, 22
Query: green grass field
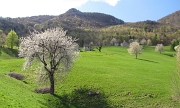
120, 79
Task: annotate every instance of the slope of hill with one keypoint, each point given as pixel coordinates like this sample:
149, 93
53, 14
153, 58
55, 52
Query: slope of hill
91, 19
73, 18
121, 80
89, 27
35, 19
148, 25
6, 24
172, 19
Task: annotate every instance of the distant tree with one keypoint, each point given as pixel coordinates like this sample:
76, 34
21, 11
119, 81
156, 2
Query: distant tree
172, 46
159, 48
113, 41
37, 27
135, 49
52, 48
99, 42
11, 39
143, 41
91, 46
99, 47
155, 39
2, 38
82, 42
149, 43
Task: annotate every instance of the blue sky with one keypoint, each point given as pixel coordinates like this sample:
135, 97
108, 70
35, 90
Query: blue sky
134, 10
127, 10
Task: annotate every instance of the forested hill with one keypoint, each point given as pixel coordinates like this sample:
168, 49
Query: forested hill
75, 20
72, 19
87, 19
90, 27
172, 19
147, 25
22, 25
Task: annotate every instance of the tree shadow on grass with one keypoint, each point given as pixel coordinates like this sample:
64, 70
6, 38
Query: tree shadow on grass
148, 60
79, 98
170, 55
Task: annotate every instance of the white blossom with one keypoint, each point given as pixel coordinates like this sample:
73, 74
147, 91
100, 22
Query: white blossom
52, 48
177, 48
135, 49
159, 48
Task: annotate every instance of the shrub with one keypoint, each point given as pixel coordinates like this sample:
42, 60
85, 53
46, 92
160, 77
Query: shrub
173, 44
43, 90
16, 75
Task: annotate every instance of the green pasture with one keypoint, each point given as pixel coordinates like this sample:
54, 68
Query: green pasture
119, 78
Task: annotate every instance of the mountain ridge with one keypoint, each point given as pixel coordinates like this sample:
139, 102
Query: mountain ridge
172, 19
75, 19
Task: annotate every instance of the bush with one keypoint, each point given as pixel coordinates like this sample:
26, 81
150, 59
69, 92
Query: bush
43, 90
16, 75
173, 44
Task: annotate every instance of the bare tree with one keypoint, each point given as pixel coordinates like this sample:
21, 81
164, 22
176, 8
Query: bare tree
99, 42
99, 47
159, 48
52, 48
134, 48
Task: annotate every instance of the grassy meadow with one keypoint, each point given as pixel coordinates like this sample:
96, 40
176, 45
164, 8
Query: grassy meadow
119, 79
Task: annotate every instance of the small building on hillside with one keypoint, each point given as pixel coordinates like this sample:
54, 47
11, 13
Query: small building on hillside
143, 42
88, 47
114, 42
125, 44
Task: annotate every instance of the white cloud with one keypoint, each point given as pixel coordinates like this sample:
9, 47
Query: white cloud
110, 2
24, 8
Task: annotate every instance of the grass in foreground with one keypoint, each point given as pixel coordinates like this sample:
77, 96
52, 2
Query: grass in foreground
121, 80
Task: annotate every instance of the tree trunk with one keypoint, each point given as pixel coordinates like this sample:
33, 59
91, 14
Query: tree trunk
99, 49
136, 56
51, 78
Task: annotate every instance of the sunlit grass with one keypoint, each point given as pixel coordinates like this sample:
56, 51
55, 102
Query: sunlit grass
123, 80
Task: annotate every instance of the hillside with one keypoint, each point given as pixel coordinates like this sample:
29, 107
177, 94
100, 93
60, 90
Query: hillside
6, 24
85, 19
172, 19
121, 80
75, 20
148, 25
72, 19
98, 27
